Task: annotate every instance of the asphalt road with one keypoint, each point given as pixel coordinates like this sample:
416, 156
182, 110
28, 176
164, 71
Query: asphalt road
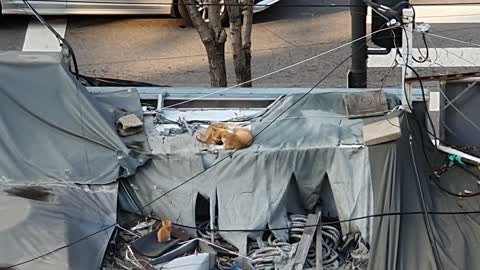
165, 51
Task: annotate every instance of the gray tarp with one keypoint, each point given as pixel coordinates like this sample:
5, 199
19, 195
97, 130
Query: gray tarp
287, 169
52, 128
50, 148
39, 218
60, 157
402, 242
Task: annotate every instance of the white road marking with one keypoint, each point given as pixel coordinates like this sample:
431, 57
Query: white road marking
438, 57
434, 102
443, 14
39, 38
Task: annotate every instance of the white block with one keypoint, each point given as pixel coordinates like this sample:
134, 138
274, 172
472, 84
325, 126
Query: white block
39, 38
434, 102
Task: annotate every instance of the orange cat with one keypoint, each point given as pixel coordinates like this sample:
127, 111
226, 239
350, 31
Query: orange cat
212, 136
164, 233
231, 138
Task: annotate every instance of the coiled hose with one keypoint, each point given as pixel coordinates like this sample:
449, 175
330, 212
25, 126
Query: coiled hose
273, 250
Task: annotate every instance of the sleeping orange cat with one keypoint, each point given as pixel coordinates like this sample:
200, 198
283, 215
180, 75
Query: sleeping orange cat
230, 137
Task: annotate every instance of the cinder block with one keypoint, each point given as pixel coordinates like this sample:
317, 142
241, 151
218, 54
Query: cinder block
382, 131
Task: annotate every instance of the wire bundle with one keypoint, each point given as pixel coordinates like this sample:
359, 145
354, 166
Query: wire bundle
207, 232
266, 254
331, 237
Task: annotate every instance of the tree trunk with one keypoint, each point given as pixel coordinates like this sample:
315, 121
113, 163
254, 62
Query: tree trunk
216, 61
213, 37
247, 40
240, 34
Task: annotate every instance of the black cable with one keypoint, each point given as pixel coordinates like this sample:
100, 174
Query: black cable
448, 213
57, 249
269, 124
428, 225
425, 107
425, 58
231, 154
424, 100
436, 181
57, 35
385, 9
418, 122
433, 177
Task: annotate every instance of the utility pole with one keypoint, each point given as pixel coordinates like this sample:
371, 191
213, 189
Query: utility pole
357, 76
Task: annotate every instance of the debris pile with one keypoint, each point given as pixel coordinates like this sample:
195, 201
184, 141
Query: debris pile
138, 248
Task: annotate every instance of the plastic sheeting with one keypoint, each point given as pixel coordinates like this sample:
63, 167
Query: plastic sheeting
37, 219
52, 128
60, 157
292, 164
402, 241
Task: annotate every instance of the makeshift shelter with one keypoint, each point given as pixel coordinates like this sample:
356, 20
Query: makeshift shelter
61, 157
311, 151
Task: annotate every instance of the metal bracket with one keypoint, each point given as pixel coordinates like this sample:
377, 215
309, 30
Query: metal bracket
160, 102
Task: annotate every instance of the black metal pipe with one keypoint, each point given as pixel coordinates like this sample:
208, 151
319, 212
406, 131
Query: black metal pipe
357, 77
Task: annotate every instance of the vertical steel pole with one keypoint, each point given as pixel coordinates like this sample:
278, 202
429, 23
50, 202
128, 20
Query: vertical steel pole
407, 49
357, 77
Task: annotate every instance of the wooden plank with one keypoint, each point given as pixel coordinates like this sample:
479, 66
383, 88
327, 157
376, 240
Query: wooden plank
306, 241
318, 247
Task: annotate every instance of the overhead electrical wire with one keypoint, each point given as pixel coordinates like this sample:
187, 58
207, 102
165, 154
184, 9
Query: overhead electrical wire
278, 70
140, 209
389, 214
190, 179
470, 121
231, 154
385, 214
436, 181
428, 226
270, 123
453, 39
425, 212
